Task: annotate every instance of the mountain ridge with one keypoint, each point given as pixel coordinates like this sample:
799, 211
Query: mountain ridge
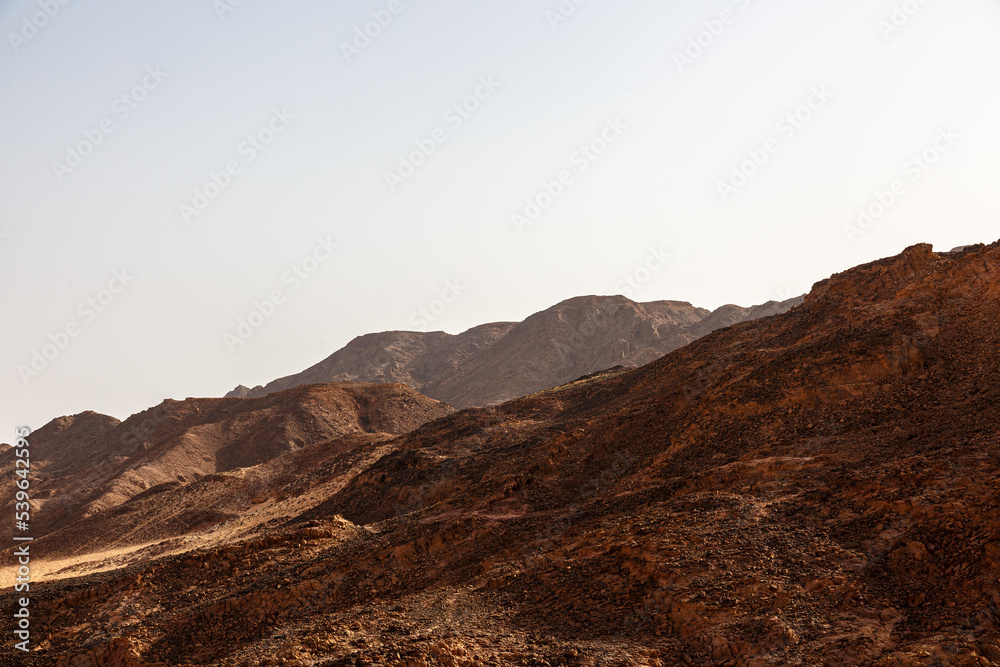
817, 487
499, 361
88, 463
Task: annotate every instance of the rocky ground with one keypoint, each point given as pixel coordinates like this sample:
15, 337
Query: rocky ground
815, 488
86, 466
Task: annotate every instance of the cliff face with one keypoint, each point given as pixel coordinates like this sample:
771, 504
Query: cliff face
820, 487
496, 362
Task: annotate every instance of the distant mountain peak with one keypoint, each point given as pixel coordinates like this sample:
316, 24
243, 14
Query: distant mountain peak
494, 362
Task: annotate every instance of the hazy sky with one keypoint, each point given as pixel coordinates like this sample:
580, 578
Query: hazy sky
169, 168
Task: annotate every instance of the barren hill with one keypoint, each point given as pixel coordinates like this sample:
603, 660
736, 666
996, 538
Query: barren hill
87, 463
817, 488
59, 444
412, 358
496, 362
232, 505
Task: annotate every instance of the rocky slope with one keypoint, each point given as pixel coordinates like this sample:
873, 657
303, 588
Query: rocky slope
411, 358
89, 463
496, 362
815, 488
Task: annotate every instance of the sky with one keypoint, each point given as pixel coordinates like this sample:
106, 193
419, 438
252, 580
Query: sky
204, 193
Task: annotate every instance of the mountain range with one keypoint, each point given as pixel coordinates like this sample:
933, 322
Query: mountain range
816, 487
496, 362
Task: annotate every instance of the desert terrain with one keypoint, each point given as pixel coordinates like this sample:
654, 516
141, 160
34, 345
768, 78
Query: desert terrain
814, 487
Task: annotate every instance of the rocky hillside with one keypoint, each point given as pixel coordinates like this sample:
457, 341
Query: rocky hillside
817, 488
496, 362
89, 463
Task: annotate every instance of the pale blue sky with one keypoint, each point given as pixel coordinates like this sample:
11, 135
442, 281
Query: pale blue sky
680, 132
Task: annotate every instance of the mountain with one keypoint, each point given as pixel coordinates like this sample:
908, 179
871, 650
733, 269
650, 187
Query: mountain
821, 487
57, 446
89, 463
496, 362
411, 358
